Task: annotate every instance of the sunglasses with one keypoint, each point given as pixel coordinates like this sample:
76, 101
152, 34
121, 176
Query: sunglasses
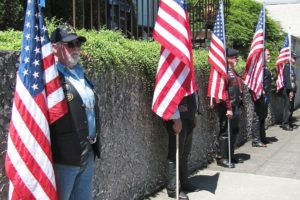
73, 44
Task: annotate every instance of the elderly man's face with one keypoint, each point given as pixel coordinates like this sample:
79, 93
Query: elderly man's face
232, 60
68, 53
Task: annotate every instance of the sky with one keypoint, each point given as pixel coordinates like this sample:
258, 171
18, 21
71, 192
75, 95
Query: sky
286, 12
269, 2
287, 15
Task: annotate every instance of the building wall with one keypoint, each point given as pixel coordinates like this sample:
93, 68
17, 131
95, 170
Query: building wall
296, 49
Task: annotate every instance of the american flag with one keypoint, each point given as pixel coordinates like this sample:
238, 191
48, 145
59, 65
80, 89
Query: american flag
253, 75
217, 59
175, 73
38, 101
284, 56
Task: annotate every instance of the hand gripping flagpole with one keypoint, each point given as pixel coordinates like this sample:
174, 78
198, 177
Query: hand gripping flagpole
177, 166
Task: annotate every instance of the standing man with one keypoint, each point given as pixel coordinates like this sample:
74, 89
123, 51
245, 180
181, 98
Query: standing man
261, 107
183, 123
175, 87
229, 110
74, 140
289, 90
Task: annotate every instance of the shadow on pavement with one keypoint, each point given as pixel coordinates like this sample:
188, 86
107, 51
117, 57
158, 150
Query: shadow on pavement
243, 156
272, 139
204, 182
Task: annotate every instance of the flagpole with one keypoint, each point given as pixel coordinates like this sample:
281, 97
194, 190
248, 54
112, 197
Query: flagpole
228, 121
263, 54
177, 166
290, 47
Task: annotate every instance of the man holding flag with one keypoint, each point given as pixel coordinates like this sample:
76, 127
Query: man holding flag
286, 81
261, 106
289, 91
258, 79
74, 137
174, 96
225, 90
38, 102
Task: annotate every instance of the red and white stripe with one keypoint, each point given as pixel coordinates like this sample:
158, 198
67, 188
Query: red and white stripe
279, 80
253, 75
29, 159
56, 104
218, 74
284, 57
175, 73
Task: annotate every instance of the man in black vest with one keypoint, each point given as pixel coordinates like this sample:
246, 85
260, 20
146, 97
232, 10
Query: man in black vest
74, 140
261, 107
182, 123
289, 90
229, 110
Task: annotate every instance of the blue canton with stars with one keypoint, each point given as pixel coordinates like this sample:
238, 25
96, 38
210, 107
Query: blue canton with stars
261, 19
286, 43
219, 25
35, 35
182, 3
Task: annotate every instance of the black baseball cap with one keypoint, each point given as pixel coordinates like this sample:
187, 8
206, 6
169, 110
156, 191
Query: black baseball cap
230, 52
65, 33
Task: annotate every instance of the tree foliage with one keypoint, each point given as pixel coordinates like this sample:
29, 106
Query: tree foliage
11, 14
241, 25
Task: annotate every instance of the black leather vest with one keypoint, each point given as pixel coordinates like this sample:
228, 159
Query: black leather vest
69, 142
267, 82
289, 72
234, 88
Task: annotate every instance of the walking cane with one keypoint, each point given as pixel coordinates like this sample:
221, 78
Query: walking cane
229, 147
177, 166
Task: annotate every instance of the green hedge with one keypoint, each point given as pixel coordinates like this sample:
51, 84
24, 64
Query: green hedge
110, 50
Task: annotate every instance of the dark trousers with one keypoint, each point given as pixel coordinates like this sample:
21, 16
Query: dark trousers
223, 134
288, 107
185, 144
260, 115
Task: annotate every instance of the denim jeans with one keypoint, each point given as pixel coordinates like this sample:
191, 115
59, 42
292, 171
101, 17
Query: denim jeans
74, 182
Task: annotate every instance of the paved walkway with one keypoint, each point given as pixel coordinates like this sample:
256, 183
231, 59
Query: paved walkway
271, 173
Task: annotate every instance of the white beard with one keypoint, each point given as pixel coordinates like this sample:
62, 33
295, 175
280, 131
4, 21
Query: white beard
74, 59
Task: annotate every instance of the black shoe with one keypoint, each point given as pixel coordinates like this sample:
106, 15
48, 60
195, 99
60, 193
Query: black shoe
287, 127
189, 187
258, 144
237, 160
293, 126
225, 163
182, 195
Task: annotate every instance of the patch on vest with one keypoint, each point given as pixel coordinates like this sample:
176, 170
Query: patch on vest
70, 97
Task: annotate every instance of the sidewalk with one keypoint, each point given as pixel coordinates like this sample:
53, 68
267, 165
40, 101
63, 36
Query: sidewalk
271, 173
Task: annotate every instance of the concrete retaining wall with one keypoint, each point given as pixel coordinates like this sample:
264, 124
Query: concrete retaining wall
134, 142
